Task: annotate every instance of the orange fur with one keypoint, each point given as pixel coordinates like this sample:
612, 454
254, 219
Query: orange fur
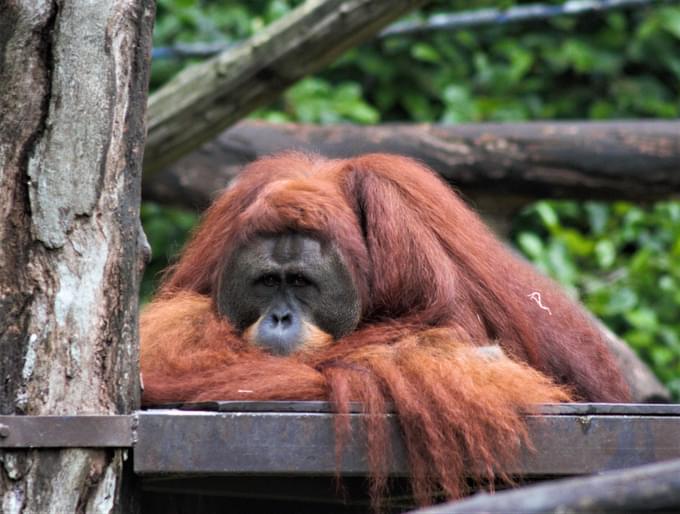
435, 286
315, 340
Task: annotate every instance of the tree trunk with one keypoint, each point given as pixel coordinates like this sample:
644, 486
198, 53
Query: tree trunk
73, 82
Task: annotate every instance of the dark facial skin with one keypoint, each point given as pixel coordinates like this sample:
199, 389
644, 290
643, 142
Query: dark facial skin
287, 281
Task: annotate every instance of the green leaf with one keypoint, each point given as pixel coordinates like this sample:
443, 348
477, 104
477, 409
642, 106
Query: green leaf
643, 319
606, 253
547, 214
671, 20
598, 215
575, 242
531, 245
621, 301
661, 356
425, 52
561, 265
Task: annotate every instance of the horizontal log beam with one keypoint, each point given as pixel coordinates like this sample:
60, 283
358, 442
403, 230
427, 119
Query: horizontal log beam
502, 164
651, 488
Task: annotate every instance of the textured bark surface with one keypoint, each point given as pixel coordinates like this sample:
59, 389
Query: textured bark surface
205, 99
499, 166
73, 81
642, 489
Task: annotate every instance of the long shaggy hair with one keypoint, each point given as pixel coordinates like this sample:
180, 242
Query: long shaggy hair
435, 287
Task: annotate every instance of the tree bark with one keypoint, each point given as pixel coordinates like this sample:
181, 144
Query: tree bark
642, 489
503, 166
73, 82
206, 98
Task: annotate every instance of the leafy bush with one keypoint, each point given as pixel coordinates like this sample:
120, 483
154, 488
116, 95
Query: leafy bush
624, 263
166, 230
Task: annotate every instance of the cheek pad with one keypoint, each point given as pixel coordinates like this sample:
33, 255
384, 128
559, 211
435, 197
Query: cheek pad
237, 303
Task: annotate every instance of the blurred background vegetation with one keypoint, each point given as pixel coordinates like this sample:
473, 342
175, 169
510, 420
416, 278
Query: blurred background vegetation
622, 260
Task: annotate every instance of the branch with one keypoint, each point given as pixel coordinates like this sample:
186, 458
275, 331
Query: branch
206, 98
500, 16
651, 488
504, 164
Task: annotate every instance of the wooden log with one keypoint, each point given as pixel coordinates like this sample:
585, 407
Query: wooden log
73, 88
650, 488
500, 165
206, 98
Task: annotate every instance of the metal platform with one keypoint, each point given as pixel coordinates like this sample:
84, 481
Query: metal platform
287, 449
297, 439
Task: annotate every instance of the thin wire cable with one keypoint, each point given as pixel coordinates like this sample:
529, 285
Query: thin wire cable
441, 22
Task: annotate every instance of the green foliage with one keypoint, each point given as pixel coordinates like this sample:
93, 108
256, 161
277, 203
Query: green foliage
622, 260
619, 64
198, 21
166, 230
315, 100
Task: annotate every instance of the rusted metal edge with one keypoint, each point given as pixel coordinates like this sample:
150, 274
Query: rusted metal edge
303, 444
603, 409
103, 431
221, 421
